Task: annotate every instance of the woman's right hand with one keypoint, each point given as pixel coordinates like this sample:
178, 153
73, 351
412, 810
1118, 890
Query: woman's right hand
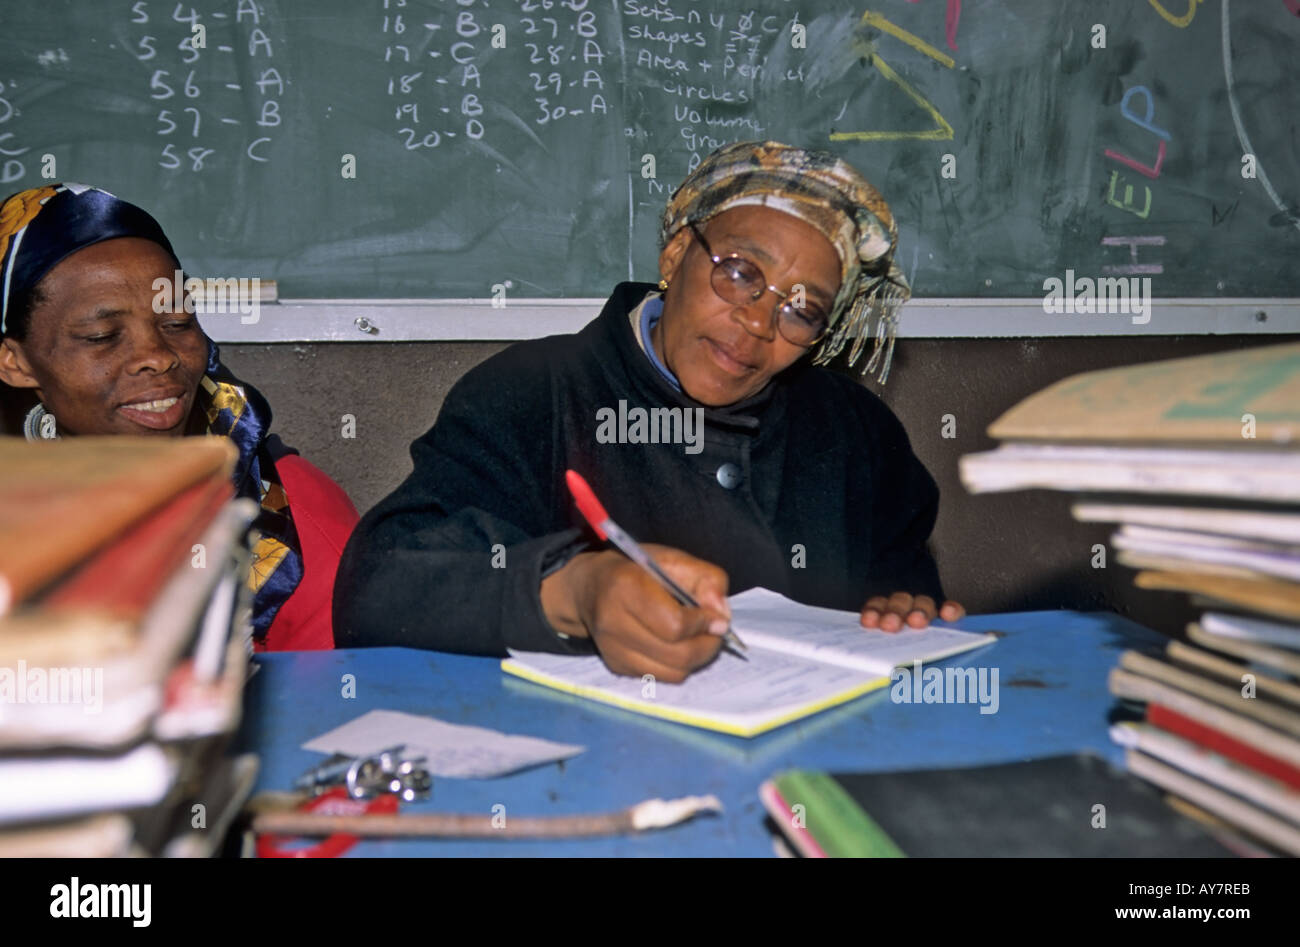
635, 623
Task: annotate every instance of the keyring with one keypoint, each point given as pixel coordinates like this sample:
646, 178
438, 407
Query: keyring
334, 802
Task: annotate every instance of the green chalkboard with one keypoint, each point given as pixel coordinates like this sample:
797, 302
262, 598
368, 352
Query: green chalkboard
510, 141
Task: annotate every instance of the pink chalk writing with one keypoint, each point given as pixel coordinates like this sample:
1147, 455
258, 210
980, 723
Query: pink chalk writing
1151, 172
953, 16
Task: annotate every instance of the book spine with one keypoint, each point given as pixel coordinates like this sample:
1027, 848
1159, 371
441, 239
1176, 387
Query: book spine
1214, 768
789, 821
1229, 698
837, 824
1242, 814
1224, 745
1269, 687
1135, 687
1246, 650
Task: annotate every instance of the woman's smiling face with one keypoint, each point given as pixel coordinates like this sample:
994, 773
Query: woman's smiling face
721, 352
100, 358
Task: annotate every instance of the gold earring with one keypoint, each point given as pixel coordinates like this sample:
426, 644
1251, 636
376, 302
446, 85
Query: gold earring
663, 284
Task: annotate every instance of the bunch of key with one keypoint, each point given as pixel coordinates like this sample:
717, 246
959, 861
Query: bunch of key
388, 771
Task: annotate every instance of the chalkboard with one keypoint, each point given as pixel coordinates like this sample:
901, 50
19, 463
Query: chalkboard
532, 144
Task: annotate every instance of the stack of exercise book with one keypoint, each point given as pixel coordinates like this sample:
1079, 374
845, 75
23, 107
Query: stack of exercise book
123, 646
1200, 458
1221, 725
1198, 461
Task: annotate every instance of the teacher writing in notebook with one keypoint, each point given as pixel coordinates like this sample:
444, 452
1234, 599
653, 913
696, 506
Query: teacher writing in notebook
699, 413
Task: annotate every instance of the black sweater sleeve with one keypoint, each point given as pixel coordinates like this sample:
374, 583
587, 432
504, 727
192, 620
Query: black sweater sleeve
453, 559
905, 513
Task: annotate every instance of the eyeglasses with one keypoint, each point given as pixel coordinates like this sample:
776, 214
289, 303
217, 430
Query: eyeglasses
740, 282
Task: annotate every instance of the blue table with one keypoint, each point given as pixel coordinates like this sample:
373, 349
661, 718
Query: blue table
1052, 668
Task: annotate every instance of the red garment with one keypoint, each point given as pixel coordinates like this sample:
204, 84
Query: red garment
323, 516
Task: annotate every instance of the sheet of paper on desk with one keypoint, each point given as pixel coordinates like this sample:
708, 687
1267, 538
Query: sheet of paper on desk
451, 750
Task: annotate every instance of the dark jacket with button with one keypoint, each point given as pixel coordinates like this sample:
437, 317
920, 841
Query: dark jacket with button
809, 488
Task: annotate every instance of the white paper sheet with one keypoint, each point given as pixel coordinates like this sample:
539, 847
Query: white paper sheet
765, 619
452, 750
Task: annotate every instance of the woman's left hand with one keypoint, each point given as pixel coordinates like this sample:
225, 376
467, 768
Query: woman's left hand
889, 614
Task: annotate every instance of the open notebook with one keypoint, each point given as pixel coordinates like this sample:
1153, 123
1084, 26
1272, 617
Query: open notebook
802, 660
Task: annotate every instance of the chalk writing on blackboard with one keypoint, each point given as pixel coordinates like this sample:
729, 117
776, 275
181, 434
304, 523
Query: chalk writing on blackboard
202, 113
942, 130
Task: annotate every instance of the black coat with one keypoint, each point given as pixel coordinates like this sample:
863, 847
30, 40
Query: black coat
830, 505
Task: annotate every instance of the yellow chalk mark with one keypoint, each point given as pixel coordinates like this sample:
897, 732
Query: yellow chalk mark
911, 39
871, 18
942, 130
1179, 21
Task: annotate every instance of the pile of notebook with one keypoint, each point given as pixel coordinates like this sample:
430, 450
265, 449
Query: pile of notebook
1198, 461
1220, 725
123, 645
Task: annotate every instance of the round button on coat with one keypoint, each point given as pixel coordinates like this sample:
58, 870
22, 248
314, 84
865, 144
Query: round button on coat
729, 476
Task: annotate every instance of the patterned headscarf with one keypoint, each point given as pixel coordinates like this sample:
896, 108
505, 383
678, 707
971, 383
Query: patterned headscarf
42, 226
825, 192
238, 411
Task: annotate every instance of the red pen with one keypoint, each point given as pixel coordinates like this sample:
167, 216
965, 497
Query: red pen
606, 528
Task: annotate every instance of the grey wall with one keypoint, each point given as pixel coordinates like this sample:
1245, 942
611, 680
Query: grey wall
999, 552
393, 390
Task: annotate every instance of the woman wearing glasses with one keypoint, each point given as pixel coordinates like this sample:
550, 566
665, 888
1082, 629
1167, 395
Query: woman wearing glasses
772, 259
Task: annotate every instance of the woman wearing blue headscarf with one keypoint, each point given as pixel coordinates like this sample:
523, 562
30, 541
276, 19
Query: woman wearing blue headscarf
81, 327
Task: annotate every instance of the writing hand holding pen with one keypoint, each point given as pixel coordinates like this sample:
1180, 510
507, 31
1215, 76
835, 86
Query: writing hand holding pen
635, 623
648, 609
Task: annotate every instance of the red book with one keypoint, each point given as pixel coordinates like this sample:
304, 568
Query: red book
63, 500
1224, 745
124, 577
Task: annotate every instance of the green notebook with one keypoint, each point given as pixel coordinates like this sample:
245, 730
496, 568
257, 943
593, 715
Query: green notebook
1063, 806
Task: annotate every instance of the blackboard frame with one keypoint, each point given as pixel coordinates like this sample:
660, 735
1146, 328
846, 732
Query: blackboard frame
477, 320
